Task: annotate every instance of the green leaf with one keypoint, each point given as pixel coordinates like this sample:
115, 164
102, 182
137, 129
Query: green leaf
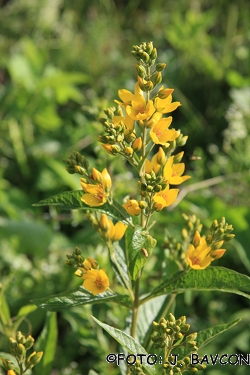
70, 200
79, 296
147, 314
5, 316
119, 265
47, 344
25, 310
204, 337
138, 258
127, 342
212, 278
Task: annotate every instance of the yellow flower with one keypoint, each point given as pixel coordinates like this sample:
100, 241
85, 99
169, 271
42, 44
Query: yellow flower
165, 105
160, 134
96, 195
128, 122
11, 372
199, 257
116, 232
95, 281
173, 172
111, 231
157, 161
139, 110
127, 96
165, 198
132, 207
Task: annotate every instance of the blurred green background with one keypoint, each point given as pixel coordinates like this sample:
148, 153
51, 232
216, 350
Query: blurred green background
61, 64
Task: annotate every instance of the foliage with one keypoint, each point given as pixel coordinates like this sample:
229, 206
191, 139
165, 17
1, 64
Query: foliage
60, 65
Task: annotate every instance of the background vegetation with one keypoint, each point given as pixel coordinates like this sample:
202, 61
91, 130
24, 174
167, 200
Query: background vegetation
61, 63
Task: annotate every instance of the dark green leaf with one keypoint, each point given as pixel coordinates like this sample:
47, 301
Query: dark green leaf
70, 200
79, 296
211, 278
127, 342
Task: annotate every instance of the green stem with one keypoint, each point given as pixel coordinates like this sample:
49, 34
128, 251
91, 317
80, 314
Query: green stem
135, 306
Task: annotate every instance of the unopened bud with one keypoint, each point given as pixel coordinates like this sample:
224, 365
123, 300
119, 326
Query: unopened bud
33, 359
159, 67
148, 86
153, 54
161, 156
29, 342
104, 223
178, 157
196, 239
141, 70
137, 144
8, 365
96, 175
129, 151
143, 205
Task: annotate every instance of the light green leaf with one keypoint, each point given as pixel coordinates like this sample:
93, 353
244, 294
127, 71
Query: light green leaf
25, 310
204, 337
5, 316
70, 200
79, 296
212, 278
137, 257
127, 342
47, 344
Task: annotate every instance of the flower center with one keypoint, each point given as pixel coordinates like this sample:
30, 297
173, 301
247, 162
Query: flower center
158, 133
195, 260
99, 283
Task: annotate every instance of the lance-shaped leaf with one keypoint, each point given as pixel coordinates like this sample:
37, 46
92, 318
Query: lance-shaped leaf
129, 343
47, 343
119, 265
70, 200
204, 337
79, 296
211, 278
141, 248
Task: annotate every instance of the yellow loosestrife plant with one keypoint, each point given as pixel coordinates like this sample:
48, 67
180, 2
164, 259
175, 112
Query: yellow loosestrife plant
139, 129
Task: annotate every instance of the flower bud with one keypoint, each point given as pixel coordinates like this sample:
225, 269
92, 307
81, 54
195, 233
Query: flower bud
153, 54
104, 223
160, 67
137, 144
29, 342
178, 157
164, 93
148, 86
141, 70
143, 204
33, 359
129, 151
8, 365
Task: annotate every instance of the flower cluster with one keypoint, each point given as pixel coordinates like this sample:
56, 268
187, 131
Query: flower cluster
137, 126
19, 347
172, 334
203, 250
95, 279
